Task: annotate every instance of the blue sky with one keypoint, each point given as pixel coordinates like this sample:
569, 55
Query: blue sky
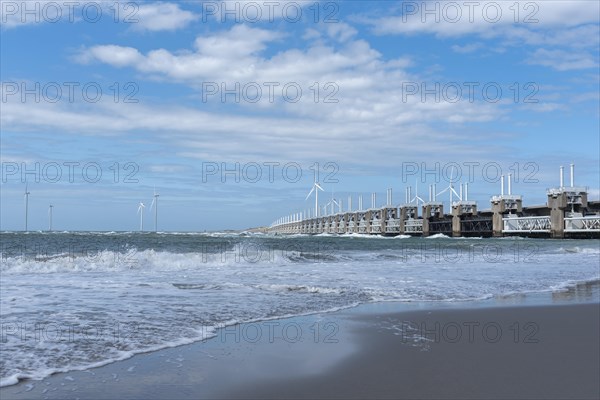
387, 75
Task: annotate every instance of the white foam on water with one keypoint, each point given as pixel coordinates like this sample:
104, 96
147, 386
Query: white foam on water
438, 236
301, 288
180, 297
42, 372
578, 249
570, 284
10, 380
370, 236
145, 261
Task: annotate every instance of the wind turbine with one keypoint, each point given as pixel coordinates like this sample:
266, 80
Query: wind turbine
315, 188
450, 188
333, 202
141, 212
50, 217
26, 206
155, 205
417, 198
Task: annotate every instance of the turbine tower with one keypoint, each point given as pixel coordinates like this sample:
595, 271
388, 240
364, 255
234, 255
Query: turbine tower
50, 217
26, 206
155, 205
315, 188
141, 212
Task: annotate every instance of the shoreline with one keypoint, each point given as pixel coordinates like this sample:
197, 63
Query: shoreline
260, 359
531, 352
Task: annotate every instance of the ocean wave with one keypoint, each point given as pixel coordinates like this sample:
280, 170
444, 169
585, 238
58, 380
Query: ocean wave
40, 372
206, 286
282, 288
578, 249
149, 260
438, 236
575, 284
371, 236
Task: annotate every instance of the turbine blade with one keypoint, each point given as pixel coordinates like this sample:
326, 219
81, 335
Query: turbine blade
309, 193
443, 191
319, 187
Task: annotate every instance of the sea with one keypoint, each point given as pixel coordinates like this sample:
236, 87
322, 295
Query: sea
78, 300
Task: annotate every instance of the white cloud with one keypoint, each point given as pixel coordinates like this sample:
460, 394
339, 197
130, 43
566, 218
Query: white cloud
585, 36
311, 34
228, 55
163, 17
341, 31
562, 60
468, 48
486, 18
193, 133
584, 97
236, 55
149, 16
370, 100
117, 56
543, 107
368, 88
547, 23
240, 41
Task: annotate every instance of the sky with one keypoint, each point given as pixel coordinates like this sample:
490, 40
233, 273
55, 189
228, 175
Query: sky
230, 110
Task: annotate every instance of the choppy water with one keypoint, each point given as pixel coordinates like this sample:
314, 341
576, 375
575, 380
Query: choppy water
76, 300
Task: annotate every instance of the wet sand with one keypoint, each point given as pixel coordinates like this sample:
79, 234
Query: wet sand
478, 350
553, 353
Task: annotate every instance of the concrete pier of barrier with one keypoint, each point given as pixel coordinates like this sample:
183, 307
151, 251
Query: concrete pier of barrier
566, 214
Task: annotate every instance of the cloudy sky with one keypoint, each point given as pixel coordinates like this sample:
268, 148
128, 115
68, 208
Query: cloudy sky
228, 109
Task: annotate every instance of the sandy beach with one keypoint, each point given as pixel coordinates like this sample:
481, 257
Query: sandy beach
516, 348
556, 356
